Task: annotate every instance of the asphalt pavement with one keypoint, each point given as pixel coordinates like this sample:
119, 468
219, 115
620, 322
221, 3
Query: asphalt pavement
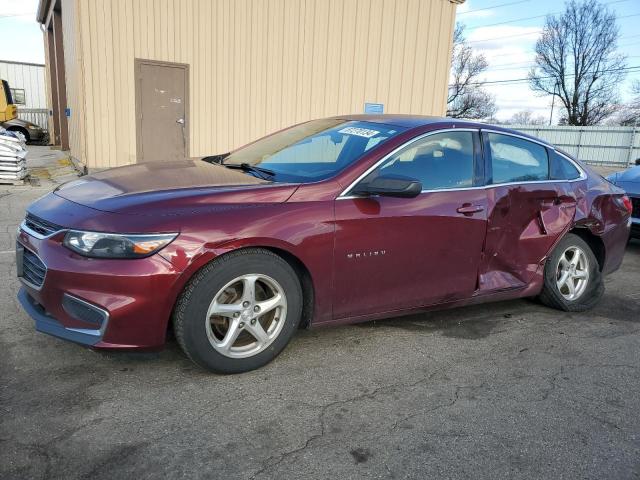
505, 390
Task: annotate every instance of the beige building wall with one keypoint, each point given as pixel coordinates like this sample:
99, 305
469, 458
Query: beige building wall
73, 78
255, 65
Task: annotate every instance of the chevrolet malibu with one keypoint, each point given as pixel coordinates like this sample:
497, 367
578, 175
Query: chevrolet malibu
332, 221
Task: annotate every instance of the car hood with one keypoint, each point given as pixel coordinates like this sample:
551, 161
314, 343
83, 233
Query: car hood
18, 122
171, 188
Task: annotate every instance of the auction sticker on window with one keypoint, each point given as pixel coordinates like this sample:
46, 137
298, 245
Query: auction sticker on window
360, 132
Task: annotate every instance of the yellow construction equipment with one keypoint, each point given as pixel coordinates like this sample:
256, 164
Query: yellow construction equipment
8, 111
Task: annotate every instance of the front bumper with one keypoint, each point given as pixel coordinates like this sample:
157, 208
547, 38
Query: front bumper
45, 323
135, 297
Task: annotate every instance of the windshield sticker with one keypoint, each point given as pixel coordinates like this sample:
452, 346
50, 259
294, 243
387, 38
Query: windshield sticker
360, 132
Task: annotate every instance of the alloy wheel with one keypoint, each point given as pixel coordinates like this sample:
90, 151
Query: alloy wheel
246, 315
572, 275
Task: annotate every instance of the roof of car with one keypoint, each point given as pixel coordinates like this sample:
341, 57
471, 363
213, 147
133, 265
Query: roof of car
408, 121
414, 121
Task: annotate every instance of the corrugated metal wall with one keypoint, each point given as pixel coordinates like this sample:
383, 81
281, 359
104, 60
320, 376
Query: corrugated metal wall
28, 77
73, 78
258, 65
598, 145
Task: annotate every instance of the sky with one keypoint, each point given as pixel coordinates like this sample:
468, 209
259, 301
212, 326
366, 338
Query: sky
505, 31
18, 23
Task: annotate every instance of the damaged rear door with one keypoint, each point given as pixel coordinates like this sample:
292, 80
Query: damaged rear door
528, 210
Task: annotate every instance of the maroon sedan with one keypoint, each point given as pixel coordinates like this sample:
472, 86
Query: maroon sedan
331, 221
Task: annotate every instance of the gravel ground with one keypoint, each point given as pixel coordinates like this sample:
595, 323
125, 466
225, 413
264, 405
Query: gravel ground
506, 390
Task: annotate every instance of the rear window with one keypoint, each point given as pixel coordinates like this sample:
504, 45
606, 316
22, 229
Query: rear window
562, 168
514, 159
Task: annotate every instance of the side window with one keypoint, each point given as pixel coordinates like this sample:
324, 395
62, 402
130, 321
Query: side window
516, 160
562, 169
18, 96
439, 161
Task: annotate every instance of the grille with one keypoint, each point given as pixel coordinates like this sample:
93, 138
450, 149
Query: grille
636, 207
41, 226
83, 311
33, 270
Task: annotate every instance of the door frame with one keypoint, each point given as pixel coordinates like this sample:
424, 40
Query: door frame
138, 63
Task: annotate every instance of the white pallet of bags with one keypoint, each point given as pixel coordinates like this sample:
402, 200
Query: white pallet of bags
7, 157
10, 152
12, 166
17, 179
15, 176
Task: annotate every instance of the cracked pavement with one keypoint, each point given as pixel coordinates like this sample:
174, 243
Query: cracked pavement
504, 390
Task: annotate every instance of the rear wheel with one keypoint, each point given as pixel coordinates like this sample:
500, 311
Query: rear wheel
572, 278
239, 311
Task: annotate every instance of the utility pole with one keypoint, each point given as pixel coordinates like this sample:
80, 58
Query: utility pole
553, 100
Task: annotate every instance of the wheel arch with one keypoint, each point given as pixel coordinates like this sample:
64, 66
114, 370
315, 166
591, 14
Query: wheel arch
306, 282
299, 267
594, 241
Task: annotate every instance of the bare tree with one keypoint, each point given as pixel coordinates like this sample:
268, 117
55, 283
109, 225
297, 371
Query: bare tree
629, 114
525, 117
576, 61
466, 97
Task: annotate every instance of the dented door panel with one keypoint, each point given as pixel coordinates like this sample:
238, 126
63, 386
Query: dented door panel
523, 223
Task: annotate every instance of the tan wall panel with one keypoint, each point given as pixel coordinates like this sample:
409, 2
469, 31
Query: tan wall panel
259, 65
73, 78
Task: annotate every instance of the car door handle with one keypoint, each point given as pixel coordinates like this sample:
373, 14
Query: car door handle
180, 121
468, 209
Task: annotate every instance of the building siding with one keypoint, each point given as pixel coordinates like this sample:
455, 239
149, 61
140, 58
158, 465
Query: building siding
28, 76
73, 78
255, 65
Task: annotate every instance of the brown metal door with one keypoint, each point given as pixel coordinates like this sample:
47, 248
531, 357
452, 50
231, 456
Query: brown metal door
161, 108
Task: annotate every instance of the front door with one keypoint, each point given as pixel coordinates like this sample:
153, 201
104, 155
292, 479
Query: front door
397, 253
161, 108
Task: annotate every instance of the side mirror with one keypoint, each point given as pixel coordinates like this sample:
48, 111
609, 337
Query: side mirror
390, 186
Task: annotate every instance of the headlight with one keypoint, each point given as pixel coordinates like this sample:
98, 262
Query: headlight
112, 245
33, 127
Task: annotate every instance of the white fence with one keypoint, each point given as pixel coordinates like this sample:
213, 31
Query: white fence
607, 146
39, 116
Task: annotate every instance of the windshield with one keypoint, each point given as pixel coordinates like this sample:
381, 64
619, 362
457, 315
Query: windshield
314, 150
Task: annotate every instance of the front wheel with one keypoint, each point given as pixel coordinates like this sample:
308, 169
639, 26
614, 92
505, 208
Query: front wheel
572, 278
239, 311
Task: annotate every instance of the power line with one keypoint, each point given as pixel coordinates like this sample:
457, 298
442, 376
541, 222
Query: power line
526, 79
538, 16
523, 65
505, 36
495, 6
538, 33
512, 21
17, 15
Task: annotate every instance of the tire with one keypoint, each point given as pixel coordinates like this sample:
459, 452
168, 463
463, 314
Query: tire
217, 304
555, 293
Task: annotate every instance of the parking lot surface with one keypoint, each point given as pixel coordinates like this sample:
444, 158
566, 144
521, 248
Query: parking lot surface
505, 390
